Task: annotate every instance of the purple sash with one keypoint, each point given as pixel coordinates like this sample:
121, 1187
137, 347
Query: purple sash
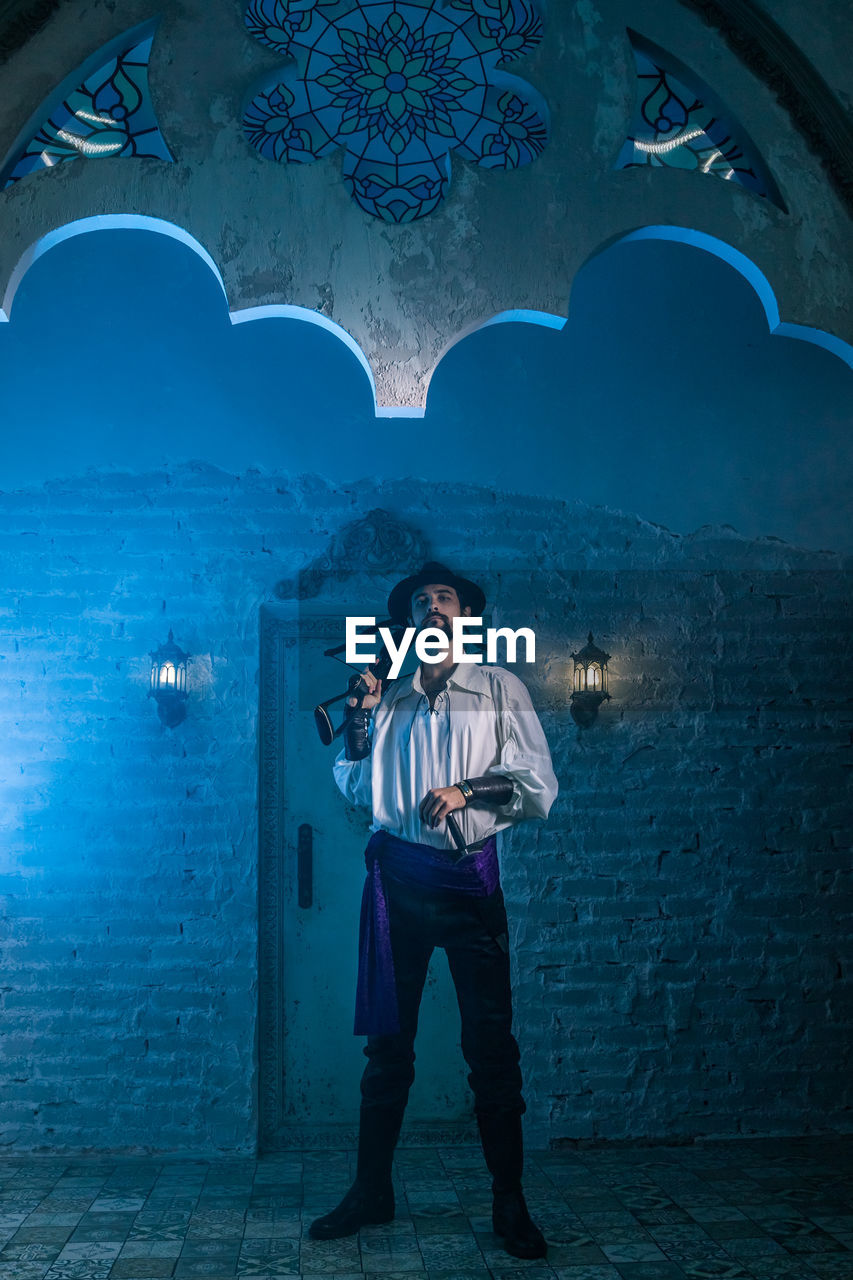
475, 876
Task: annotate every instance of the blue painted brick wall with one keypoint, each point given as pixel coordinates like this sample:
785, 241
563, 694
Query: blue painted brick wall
681, 924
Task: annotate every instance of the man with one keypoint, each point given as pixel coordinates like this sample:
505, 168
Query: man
449, 745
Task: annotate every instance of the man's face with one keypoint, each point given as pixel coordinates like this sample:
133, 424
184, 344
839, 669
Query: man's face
436, 605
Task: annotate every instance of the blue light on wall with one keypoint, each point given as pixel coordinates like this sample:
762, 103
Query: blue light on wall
674, 350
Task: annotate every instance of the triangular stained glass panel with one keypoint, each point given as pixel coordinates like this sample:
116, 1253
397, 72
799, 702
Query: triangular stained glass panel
681, 123
102, 109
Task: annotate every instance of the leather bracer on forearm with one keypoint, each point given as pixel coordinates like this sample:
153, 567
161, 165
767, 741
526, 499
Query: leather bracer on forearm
356, 736
492, 788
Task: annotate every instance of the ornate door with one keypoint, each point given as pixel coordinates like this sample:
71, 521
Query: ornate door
311, 878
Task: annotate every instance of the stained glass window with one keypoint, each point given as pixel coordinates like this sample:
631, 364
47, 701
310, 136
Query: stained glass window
104, 109
681, 123
398, 85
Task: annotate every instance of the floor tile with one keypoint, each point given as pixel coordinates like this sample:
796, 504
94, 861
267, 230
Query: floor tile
745, 1247
714, 1269
41, 1235
94, 1250
584, 1272
832, 1266
752, 1210
142, 1269
632, 1252
252, 1266
650, 1271
777, 1268
79, 1269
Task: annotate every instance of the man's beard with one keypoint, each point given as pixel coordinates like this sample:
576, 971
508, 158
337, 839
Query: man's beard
437, 620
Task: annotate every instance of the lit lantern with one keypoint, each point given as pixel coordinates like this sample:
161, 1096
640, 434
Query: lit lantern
169, 682
589, 684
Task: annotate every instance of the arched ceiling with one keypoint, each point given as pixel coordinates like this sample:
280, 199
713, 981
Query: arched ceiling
289, 234
753, 35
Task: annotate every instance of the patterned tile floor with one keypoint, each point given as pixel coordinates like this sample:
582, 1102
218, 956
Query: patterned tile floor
774, 1209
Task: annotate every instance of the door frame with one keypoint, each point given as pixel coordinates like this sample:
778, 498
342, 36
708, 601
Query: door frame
281, 627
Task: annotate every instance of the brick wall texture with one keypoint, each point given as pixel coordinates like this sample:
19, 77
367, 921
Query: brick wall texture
681, 923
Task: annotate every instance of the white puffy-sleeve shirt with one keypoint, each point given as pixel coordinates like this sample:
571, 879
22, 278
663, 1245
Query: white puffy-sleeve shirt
483, 722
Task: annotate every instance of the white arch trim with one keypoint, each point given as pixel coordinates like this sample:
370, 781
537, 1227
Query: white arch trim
101, 222
679, 235
142, 222
698, 240
519, 315
750, 272
289, 312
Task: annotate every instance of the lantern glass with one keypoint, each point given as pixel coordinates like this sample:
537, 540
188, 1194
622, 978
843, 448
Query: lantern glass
593, 677
169, 681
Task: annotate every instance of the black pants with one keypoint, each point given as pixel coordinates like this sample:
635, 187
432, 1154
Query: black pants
473, 932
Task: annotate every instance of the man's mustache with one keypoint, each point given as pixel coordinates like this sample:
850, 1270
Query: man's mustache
431, 619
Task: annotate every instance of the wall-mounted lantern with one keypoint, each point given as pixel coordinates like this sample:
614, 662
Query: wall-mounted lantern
589, 684
169, 681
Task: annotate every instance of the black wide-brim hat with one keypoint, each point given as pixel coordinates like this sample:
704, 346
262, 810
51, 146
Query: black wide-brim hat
468, 592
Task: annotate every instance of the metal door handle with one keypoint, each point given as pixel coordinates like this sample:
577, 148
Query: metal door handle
305, 865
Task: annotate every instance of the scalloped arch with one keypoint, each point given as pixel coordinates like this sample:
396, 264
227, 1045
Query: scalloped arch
750, 272
679, 235
698, 240
142, 222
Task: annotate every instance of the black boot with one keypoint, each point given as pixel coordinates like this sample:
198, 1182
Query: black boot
504, 1151
370, 1199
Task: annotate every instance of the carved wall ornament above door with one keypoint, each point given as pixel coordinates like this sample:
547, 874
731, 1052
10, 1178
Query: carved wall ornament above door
376, 545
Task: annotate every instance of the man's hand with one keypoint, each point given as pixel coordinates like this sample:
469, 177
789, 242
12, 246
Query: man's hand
438, 803
374, 692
